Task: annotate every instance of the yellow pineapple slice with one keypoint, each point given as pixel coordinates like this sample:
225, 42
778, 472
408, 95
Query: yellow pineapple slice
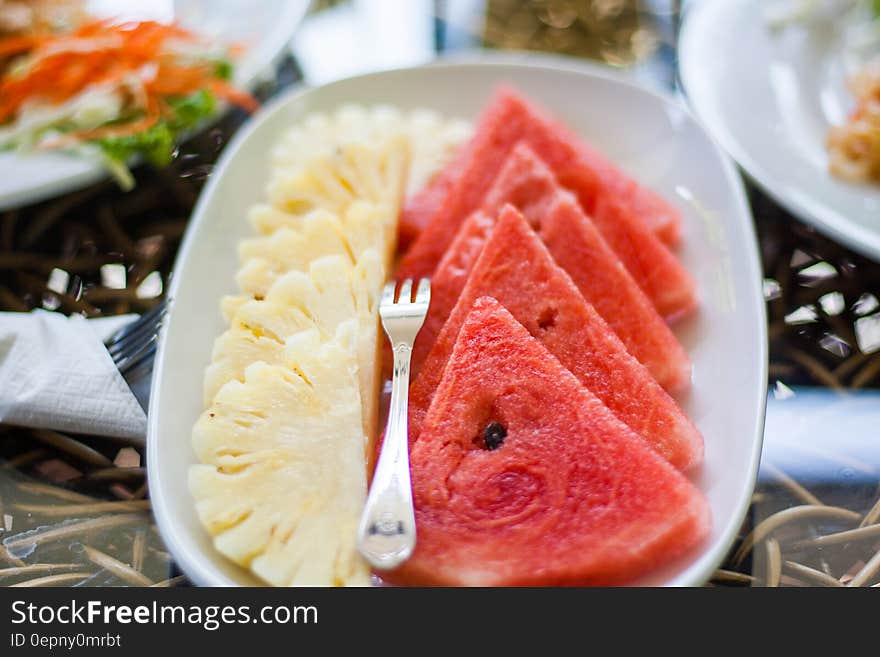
282, 479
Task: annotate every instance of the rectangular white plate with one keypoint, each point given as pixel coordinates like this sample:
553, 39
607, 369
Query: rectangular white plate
653, 138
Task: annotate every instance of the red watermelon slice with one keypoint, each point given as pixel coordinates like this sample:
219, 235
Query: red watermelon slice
577, 247
446, 286
515, 268
654, 267
522, 477
507, 120
524, 182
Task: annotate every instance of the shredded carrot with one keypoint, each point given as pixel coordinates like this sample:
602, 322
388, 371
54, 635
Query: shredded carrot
19, 44
59, 67
93, 28
227, 92
173, 80
131, 128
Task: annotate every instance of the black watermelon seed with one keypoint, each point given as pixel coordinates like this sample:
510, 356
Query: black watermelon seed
494, 435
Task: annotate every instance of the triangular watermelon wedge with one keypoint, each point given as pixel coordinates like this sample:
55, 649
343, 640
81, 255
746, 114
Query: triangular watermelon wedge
577, 247
437, 212
447, 283
527, 182
654, 267
515, 268
522, 477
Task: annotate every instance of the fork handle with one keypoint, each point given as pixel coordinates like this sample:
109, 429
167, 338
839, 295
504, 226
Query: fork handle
387, 532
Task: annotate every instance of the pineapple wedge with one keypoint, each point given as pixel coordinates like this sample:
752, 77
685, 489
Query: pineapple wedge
282, 481
331, 293
363, 222
351, 172
433, 140
265, 219
292, 246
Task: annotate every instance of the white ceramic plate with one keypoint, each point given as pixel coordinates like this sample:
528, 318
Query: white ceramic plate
653, 138
264, 28
769, 98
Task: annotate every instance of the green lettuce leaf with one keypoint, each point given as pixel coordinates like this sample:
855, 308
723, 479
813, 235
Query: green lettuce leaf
223, 69
189, 111
156, 144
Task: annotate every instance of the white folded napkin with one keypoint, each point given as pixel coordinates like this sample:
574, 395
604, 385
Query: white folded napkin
55, 373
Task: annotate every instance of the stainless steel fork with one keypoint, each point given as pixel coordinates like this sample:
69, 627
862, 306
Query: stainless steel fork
387, 532
133, 346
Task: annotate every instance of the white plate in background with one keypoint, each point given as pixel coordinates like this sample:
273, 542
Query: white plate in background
769, 97
264, 28
650, 136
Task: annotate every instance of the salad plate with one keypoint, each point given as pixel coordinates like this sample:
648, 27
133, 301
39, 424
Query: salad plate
650, 136
262, 29
772, 106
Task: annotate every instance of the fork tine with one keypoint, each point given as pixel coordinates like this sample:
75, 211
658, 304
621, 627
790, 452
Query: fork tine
132, 348
138, 358
135, 344
144, 330
388, 294
405, 292
423, 293
137, 369
147, 320
136, 335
